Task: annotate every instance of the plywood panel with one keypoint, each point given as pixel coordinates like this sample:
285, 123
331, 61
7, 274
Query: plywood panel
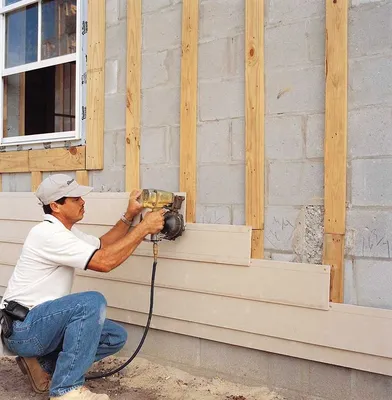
254, 122
371, 330
95, 84
307, 351
60, 159
188, 127
134, 63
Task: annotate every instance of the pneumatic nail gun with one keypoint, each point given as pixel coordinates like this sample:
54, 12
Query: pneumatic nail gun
174, 225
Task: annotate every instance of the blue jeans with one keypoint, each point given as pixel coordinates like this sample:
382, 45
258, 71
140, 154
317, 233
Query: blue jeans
67, 335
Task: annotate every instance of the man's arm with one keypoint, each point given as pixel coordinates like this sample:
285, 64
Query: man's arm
114, 254
121, 228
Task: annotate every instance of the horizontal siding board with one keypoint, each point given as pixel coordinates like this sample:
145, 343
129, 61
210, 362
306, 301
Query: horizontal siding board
307, 351
286, 322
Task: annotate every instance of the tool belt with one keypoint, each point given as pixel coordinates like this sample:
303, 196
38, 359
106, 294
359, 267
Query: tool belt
12, 312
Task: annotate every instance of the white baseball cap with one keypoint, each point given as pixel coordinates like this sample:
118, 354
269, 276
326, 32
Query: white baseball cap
60, 185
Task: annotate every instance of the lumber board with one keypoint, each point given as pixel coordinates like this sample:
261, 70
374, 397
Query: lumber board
95, 84
133, 110
307, 351
188, 114
335, 158
254, 122
15, 161
370, 327
82, 177
36, 179
60, 159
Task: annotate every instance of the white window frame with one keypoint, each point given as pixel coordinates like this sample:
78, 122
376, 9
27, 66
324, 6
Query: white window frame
75, 135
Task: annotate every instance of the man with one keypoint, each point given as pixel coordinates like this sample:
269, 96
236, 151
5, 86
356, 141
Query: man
63, 334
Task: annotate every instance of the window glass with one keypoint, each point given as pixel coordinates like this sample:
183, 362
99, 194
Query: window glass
21, 36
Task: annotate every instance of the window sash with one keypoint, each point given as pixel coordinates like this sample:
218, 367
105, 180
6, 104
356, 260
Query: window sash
77, 56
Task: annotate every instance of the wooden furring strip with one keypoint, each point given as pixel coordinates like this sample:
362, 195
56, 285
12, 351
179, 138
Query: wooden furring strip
36, 179
134, 65
335, 160
254, 120
95, 84
82, 177
188, 128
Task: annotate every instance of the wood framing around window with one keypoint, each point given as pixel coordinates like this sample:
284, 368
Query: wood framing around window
75, 158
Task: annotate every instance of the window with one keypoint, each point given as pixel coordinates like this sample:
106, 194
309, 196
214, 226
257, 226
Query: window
41, 67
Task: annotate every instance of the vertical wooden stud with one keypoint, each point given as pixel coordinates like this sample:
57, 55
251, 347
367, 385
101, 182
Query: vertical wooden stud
335, 142
134, 61
95, 84
36, 179
82, 178
254, 122
188, 117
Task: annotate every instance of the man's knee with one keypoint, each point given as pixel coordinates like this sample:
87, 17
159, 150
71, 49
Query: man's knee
95, 304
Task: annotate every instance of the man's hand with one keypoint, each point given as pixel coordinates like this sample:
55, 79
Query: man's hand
134, 207
154, 221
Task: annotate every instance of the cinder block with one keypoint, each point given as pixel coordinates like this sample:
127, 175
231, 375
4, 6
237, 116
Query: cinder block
289, 373
213, 214
122, 74
112, 12
154, 70
164, 345
165, 177
238, 214
369, 131
295, 183
114, 149
173, 66
283, 257
295, 89
161, 106
350, 290
221, 184
122, 9
108, 180
111, 76
222, 58
153, 145
154, 5
221, 100
368, 386
286, 45
116, 39
329, 381
370, 30
280, 224
20, 182
235, 361
238, 139
115, 112
221, 18
162, 31
370, 82
315, 131
372, 233
282, 10
374, 280
173, 145
284, 138
315, 37
213, 142
371, 182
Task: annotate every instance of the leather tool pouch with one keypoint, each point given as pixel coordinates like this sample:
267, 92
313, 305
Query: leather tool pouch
6, 324
16, 311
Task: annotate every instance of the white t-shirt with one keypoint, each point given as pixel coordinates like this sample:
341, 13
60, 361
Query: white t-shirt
46, 267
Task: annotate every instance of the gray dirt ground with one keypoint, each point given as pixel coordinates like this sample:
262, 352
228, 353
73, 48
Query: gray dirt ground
141, 380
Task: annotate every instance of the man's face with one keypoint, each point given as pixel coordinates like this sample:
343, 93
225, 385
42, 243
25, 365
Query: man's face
72, 210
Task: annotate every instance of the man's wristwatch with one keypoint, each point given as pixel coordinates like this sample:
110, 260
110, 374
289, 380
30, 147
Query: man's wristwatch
125, 220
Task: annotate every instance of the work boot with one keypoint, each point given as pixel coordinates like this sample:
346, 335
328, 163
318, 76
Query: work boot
81, 393
38, 377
